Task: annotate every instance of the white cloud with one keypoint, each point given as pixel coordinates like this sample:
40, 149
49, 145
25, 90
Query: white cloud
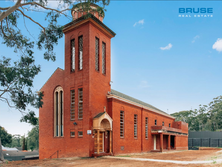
195, 38
139, 22
144, 84
218, 45
57, 5
52, 4
168, 47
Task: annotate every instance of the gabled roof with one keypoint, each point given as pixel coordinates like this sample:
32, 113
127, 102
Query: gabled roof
114, 92
51, 76
99, 115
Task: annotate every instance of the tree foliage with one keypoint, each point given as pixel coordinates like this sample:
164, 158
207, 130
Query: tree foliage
16, 141
5, 137
207, 117
30, 142
33, 138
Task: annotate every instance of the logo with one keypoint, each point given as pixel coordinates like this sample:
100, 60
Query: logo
195, 12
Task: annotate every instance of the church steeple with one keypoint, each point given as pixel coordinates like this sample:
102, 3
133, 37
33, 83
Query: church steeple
87, 57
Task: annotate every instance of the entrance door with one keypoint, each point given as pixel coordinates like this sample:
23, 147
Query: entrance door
154, 139
101, 142
172, 141
106, 141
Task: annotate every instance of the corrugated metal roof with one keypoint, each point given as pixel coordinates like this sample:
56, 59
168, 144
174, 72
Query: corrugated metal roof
114, 92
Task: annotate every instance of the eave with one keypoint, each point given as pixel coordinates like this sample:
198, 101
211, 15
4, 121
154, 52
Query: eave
93, 20
138, 105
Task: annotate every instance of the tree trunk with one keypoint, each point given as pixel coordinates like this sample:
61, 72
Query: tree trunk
1, 153
10, 10
23, 144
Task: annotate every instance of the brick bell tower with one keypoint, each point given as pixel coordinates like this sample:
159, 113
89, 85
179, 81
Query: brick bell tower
87, 69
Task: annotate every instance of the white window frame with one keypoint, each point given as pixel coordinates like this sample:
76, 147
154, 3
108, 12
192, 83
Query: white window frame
59, 131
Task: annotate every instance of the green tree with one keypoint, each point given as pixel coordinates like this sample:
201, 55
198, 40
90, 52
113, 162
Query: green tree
33, 138
207, 117
215, 113
15, 141
5, 137
188, 117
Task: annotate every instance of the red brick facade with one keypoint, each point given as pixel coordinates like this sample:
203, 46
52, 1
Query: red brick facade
97, 97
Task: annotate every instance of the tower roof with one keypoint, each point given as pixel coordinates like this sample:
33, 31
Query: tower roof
85, 8
84, 19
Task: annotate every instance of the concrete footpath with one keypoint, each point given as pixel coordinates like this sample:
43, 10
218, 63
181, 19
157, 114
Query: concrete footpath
167, 161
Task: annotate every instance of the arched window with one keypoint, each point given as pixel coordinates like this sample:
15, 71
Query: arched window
58, 112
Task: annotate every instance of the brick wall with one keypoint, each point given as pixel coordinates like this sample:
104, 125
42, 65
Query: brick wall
129, 143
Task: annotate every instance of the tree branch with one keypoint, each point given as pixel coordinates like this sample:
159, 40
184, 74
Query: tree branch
4, 32
7, 102
35, 3
3, 92
8, 26
12, 38
4, 8
10, 10
31, 19
27, 29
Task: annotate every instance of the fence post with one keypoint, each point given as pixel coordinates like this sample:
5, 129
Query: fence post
209, 142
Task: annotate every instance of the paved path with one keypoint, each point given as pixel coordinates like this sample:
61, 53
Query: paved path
167, 161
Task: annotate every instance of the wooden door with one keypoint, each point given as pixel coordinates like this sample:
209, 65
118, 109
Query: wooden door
106, 142
100, 144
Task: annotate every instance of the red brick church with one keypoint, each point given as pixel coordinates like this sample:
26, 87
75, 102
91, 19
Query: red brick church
82, 116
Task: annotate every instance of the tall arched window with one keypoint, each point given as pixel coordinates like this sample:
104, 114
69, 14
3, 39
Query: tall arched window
58, 112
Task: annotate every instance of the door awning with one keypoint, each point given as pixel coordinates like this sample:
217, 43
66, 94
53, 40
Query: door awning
102, 121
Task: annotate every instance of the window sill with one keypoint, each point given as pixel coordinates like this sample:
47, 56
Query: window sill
58, 136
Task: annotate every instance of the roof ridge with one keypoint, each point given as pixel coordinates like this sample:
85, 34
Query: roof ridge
135, 100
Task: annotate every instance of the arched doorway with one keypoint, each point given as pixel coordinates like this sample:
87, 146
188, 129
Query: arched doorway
102, 129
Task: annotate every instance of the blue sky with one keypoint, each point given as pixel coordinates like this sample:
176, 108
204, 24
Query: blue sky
157, 57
